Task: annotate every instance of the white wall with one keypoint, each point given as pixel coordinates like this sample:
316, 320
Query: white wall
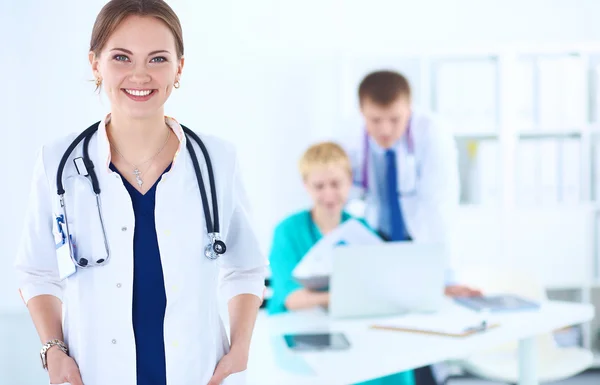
263, 73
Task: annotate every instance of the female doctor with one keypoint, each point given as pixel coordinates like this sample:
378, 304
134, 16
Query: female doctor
132, 251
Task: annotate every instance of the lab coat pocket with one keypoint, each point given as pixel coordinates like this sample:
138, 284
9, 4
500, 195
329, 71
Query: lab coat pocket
83, 218
66, 267
238, 378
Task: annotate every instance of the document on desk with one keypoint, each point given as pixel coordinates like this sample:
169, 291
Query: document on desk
316, 266
444, 324
498, 303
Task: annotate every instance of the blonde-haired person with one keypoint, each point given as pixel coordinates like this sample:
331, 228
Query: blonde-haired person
327, 176
138, 289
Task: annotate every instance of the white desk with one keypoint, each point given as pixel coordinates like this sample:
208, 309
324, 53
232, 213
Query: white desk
377, 353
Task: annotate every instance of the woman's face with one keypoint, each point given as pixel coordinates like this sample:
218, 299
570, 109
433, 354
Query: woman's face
329, 187
138, 67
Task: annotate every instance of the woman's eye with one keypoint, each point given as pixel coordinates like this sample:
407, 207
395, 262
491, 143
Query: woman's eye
121, 58
159, 59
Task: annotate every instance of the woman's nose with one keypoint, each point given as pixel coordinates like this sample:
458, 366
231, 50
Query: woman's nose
140, 74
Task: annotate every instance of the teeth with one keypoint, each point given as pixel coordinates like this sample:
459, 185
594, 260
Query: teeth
139, 92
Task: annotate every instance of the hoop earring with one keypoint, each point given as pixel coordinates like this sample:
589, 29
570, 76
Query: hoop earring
176, 84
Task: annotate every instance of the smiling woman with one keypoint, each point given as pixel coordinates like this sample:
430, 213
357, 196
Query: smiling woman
142, 69
149, 315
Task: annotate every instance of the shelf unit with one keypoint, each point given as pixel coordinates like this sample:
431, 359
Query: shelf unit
508, 100
596, 363
516, 137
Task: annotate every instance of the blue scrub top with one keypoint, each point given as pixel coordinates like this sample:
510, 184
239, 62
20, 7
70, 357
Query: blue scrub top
149, 296
293, 238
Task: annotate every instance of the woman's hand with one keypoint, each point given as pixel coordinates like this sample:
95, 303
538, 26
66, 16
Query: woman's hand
233, 362
461, 291
62, 368
305, 299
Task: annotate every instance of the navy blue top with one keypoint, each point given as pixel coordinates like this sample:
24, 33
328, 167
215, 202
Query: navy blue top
149, 296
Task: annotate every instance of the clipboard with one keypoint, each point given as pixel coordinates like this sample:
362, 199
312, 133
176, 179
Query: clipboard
437, 325
465, 333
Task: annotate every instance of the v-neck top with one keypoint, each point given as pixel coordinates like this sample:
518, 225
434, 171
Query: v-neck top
149, 295
293, 238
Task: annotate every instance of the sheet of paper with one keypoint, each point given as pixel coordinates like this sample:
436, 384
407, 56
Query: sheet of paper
446, 323
318, 262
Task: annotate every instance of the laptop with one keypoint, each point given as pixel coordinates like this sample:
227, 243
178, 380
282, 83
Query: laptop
391, 278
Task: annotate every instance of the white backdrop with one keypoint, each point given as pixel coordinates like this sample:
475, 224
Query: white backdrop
264, 74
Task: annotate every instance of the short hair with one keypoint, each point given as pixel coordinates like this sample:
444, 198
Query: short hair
384, 87
323, 154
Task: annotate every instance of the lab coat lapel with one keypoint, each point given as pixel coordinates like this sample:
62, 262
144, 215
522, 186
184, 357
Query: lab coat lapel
406, 168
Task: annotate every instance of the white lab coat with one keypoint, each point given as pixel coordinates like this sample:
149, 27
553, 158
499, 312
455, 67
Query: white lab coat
431, 173
97, 301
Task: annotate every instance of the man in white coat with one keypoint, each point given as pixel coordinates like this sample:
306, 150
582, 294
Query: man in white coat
405, 174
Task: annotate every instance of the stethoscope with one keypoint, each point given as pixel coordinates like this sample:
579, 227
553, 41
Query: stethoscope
364, 181
212, 251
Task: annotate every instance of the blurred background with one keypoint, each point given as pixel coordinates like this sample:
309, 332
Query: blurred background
516, 81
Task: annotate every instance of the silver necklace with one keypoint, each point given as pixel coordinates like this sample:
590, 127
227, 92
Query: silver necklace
136, 169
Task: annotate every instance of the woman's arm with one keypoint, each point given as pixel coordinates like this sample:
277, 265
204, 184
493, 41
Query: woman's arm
304, 299
38, 276
243, 310
46, 313
288, 294
242, 279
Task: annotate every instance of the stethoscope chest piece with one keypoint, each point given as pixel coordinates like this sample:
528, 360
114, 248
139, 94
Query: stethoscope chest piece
216, 247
